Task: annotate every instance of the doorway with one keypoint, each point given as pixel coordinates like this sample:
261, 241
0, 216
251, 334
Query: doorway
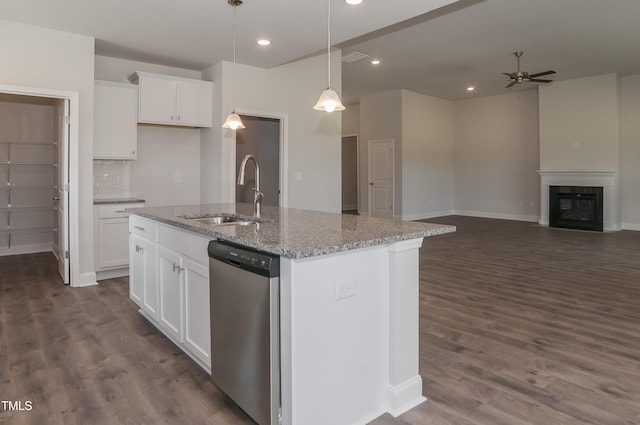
350, 174
38, 159
260, 138
381, 172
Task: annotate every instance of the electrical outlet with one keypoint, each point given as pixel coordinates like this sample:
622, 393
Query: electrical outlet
115, 179
345, 289
177, 178
298, 175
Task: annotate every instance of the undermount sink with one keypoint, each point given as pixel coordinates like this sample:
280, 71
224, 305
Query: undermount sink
220, 220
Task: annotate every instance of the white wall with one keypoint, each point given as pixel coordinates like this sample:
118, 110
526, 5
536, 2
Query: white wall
313, 137
630, 151
579, 122
167, 171
427, 156
496, 154
381, 119
351, 120
42, 58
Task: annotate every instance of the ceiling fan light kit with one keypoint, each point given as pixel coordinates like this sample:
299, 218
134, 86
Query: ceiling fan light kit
524, 77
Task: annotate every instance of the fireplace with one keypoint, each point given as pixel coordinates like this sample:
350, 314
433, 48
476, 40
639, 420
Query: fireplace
576, 207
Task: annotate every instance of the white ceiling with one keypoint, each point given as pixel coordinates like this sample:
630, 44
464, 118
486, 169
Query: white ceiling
437, 53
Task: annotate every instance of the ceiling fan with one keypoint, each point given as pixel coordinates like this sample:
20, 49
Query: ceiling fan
520, 77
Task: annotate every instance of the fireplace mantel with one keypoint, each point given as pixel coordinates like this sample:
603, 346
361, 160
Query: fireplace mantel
607, 179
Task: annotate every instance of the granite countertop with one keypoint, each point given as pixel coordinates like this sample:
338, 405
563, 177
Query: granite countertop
294, 233
105, 201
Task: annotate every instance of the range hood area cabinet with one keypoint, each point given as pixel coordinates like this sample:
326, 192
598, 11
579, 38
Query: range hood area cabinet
115, 133
174, 101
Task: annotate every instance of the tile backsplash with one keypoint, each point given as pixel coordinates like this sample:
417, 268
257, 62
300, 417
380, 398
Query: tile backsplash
111, 179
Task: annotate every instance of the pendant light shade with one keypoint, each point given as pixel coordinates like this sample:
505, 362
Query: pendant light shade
329, 100
233, 121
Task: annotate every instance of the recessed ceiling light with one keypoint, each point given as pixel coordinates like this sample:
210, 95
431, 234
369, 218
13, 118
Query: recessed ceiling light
353, 1
471, 88
375, 62
264, 42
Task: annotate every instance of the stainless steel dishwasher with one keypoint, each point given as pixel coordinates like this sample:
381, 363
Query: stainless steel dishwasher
245, 328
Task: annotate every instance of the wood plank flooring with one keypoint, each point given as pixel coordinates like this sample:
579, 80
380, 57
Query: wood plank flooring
519, 324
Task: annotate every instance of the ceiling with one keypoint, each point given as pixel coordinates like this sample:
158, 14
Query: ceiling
434, 47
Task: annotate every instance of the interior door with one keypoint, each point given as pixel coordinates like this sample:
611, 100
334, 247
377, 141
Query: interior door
61, 198
381, 178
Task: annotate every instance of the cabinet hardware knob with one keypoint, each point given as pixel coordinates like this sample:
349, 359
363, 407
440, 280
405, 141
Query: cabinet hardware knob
139, 228
56, 198
120, 211
139, 248
177, 267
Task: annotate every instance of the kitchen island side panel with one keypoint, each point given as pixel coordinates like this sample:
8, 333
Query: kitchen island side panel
335, 351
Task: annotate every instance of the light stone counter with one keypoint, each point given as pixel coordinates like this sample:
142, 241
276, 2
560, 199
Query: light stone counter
294, 233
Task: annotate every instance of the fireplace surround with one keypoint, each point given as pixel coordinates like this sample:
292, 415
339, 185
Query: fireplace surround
608, 180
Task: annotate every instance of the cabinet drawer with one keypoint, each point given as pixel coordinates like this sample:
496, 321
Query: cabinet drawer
143, 227
116, 210
184, 243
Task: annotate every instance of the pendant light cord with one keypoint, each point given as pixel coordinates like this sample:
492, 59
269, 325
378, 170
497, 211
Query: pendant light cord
235, 88
329, 43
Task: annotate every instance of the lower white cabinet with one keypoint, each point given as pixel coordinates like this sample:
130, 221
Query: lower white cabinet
112, 239
174, 296
142, 275
170, 286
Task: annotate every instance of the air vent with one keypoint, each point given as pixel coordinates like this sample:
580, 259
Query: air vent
354, 56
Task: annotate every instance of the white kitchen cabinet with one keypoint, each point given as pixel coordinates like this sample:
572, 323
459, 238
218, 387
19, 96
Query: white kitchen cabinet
197, 338
170, 287
142, 274
175, 101
112, 239
176, 294
115, 128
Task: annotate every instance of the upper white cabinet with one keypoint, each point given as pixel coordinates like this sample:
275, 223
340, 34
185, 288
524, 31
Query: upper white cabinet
167, 100
115, 120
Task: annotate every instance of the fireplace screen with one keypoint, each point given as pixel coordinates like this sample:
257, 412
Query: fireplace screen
576, 207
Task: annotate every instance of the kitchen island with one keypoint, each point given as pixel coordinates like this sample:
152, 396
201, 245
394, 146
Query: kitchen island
348, 300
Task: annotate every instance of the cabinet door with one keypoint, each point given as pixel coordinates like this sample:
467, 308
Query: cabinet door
115, 128
150, 285
169, 280
136, 269
113, 242
157, 100
197, 334
194, 104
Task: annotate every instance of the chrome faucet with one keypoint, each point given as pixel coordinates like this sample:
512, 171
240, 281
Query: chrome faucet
257, 198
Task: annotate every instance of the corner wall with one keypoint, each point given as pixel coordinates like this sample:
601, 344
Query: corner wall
496, 156
630, 151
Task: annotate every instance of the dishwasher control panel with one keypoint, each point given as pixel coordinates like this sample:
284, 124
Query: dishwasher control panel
259, 262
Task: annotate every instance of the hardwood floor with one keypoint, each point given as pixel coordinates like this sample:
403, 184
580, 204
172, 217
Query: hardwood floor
519, 324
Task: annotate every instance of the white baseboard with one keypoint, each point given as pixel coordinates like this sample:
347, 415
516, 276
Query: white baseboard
112, 273
424, 216
349, 207
500, 216
631, 226
404, 397
86, 279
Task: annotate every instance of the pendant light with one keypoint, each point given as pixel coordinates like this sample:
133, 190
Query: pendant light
233, 121
329, 100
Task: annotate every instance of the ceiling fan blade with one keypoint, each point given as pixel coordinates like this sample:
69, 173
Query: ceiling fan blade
512, 75
540, 74
510, 84
537, 80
